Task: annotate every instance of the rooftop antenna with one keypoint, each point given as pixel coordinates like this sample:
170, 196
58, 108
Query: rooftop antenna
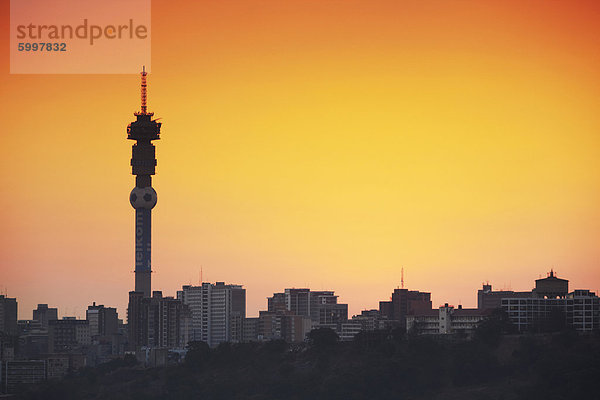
201, 275
402, 278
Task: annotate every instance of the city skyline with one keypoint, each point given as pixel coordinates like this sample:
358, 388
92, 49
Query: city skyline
459, 142
267, 306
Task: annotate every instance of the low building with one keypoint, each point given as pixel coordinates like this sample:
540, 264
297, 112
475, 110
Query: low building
283, 325
446, 320
372, 320
425, 323
59, 364
153, 357
550, 307
350, 329
250, 330
492, 299
579, 309
33, 340
67, 335
550, 287
106, 348
18, 373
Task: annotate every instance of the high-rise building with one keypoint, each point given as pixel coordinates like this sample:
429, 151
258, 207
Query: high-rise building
8, 315
137, 324
103, 321
164, 321
217, 311
405, 302
321, 308
160, 322
43, 314
325, 309
277, 303
297, 301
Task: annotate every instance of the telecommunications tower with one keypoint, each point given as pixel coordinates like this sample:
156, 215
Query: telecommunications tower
143, 196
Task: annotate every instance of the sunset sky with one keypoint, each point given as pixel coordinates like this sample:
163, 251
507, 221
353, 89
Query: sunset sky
322, 144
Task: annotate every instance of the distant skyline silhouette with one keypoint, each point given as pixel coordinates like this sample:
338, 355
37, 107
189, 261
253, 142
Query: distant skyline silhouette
315, 144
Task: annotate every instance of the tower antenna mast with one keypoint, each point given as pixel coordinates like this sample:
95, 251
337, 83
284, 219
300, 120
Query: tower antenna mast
144, 92
402, 278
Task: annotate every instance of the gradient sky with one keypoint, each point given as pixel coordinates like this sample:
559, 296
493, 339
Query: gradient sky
315, 143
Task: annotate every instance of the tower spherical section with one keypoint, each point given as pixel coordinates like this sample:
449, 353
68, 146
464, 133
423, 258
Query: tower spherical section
143, 198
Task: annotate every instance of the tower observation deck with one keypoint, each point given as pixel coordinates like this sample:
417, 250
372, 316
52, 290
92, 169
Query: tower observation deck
143, 196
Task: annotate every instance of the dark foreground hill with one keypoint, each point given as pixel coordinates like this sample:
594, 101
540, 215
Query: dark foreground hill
380, 365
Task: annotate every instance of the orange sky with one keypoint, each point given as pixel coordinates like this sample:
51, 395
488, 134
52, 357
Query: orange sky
315, 143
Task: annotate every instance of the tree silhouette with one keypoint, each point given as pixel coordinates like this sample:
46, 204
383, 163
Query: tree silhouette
323, 337
197, 353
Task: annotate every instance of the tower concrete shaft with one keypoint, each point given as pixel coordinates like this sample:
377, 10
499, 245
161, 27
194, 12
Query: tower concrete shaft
143, 197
